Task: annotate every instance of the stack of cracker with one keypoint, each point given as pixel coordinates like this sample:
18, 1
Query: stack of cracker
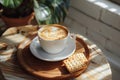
76, 62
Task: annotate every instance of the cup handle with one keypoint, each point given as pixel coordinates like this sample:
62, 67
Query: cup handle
73, 35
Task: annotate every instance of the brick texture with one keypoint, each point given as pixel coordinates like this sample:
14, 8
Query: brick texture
95, 25
75, 27
87, 7
111, 15
96, 37
113, 47
99, 21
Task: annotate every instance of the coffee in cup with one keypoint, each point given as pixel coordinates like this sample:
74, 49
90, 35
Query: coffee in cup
53, 33
53, 38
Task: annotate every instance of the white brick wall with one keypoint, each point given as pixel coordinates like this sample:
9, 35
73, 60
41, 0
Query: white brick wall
104, 10
111, 15
78, 28
99, 21
111, 19
95, 25
113, 47
96, 37
87, 7
68, 21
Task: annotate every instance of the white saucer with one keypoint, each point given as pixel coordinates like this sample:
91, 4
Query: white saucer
38, 52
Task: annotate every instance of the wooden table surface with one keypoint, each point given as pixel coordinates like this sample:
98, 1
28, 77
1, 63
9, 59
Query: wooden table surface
98, 69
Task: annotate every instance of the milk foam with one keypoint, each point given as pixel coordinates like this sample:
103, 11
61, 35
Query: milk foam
53, 33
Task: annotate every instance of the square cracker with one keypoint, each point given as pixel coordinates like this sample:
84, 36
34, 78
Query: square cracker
75, 62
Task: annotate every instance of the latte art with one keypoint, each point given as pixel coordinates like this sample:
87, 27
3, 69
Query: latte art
53, 33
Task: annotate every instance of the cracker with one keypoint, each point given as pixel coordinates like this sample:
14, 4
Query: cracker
76, 62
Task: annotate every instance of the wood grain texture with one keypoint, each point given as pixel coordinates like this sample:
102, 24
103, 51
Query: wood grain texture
49, 70
98, 69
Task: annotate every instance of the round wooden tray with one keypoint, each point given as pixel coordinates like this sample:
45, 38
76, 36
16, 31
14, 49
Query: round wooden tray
48, 70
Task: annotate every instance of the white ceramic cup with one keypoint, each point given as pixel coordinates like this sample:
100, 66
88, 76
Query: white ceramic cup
53, 46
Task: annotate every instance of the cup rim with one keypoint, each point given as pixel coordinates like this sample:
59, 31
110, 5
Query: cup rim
54, 25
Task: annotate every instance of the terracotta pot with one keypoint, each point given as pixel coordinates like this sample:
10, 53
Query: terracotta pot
18, 21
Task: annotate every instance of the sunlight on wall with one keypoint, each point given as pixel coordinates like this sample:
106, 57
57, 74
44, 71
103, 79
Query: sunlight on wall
101, 4
113, 9
91, 0
107, 5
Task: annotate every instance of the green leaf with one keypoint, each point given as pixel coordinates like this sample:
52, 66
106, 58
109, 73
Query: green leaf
42, 13
36, 5
53, 11
61, 8
11, 3
63, 11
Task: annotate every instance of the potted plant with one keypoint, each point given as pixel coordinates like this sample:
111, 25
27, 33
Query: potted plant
45, 11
